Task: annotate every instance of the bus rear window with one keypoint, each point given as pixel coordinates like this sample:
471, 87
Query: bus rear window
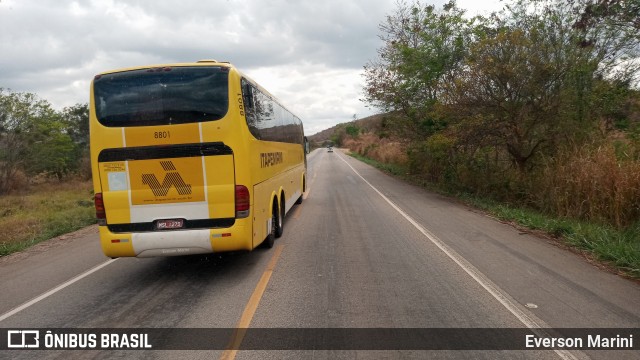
161, 96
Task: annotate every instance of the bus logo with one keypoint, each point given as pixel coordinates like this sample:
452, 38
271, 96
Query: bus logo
270, 159
164, 181
172, 178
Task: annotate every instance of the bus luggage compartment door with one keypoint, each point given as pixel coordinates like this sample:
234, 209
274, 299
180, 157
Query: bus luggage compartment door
147, 187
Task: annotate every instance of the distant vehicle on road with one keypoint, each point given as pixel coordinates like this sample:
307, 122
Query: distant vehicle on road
330, 149
191, 158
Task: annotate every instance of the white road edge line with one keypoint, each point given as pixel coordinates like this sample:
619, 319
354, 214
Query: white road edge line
55, 290
480, 278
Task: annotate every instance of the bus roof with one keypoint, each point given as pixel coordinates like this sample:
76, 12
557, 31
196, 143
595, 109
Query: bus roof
207, 62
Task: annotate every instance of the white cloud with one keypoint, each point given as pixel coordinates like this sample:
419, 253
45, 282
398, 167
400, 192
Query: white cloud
307, 53
320, 95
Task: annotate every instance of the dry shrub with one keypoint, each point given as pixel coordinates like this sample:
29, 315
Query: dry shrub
389, 152
18, 182
382, 150
39, 179
84, 169
591, 184
16, 229
71, 183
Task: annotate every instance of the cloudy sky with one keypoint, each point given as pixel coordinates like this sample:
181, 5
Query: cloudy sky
308, 53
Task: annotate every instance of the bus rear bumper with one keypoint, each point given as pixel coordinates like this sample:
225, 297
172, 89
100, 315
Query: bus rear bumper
177, 242
171, 243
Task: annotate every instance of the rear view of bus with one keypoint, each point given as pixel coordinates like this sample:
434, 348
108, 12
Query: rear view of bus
177, 167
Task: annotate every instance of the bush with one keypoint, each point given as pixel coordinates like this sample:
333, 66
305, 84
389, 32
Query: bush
383, 150
590, 184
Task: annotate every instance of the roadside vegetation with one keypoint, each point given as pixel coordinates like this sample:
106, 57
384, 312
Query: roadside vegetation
532, 113
44, 212
45, 187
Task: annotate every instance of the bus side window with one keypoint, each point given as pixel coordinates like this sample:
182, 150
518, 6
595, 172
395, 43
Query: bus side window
250, 108
247, 95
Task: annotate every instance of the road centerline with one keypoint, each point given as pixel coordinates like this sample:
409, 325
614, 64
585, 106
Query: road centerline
251, 307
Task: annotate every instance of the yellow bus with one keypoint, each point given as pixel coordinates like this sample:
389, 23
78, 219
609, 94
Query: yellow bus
191, 158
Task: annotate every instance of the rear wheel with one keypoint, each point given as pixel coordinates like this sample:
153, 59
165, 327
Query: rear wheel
280, 228
268, 242
304, 188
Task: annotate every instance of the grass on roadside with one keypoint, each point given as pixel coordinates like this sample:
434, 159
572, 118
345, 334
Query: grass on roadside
46, 212
392, 169
615, 247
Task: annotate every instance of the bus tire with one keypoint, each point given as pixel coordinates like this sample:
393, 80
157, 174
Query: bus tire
271, 237
280, 227
304, 188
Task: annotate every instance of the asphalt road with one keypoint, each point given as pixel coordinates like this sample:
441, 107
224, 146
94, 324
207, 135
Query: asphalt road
363, 251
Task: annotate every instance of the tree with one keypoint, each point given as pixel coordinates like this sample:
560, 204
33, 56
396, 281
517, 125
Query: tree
32, 138
531, 83
508, 95
76, 124
52, 150
622, 15
423, 49
352, 130
19, 115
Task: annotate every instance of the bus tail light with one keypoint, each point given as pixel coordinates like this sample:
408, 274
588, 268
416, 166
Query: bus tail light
242, 201
101, 214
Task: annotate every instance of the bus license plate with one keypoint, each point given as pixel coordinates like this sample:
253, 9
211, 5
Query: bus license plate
169, 224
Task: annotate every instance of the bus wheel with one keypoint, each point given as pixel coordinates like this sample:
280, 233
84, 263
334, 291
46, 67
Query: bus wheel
280, 228
268, 242
304, 188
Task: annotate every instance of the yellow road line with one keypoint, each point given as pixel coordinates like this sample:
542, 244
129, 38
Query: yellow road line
250, 309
